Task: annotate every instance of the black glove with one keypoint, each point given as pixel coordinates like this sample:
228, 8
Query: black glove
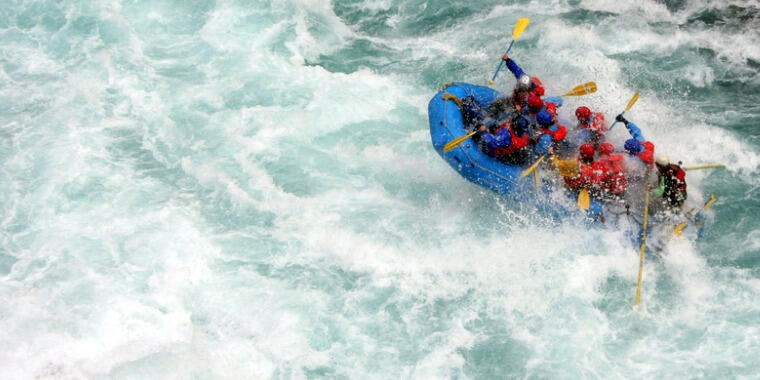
620, 118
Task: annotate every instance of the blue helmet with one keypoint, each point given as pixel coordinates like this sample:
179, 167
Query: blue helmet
544, 118
633, 146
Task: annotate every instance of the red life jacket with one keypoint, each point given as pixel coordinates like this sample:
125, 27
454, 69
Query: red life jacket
557, 135
614, 181
516, 144
647, 156
538, 87
589, 176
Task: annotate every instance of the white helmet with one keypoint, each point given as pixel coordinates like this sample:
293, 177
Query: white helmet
662, 160
524, 82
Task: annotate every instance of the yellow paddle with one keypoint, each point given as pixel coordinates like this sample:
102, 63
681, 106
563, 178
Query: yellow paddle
710, 166
679, 228
529, 170
582, 89
455, 142
627, 108
643, 247
584, 200
519, 29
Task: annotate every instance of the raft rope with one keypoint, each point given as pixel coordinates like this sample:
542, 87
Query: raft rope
453, 98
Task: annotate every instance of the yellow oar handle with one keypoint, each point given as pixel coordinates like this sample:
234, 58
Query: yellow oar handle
710, 166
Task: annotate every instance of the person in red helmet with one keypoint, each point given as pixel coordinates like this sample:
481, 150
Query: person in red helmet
591, 126
589, 173
614, 181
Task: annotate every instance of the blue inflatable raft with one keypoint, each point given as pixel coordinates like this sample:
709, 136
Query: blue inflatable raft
447, 123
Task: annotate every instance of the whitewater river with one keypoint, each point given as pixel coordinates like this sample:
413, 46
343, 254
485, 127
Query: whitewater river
246, 189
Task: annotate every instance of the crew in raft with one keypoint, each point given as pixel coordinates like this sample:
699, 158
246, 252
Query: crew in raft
519, 128
591, 127
614, 178
509, 142
552, 134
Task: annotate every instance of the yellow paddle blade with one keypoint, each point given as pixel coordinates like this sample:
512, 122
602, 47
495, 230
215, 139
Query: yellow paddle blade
535, 179
531, 168
567, 168
582, 89
454, 143
679, 229
711, 166
632, 101
584, 201
520, 27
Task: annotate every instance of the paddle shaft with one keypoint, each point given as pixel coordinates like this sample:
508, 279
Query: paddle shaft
613, 124
643, 247
501, 63
711, 166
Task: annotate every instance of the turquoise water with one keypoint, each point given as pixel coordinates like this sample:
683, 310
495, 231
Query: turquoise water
245, 189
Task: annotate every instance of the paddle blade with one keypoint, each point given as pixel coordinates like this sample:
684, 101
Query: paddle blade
632, 101
455, 142
582, 89
584, 201
531, 168
679, 229
520, 27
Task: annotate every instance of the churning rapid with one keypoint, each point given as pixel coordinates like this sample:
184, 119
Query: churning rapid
247, 189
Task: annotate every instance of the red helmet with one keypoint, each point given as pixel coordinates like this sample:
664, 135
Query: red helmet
606, 148
535, 103
583, 113
587, 151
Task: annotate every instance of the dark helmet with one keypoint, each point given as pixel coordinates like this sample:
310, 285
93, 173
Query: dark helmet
521, 126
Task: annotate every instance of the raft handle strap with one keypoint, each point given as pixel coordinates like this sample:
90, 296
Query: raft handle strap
453, 98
